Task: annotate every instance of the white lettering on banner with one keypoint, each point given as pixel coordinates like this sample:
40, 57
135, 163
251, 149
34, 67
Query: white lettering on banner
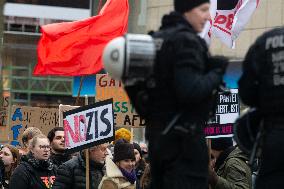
274, 42
88, 124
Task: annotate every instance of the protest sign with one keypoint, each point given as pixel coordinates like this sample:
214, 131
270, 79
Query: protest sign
23, 117
88, 125
64, 108
124, 113
227, 111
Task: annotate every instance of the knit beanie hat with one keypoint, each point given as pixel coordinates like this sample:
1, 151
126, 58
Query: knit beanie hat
122, 151
137, 147
221, 144
186, 5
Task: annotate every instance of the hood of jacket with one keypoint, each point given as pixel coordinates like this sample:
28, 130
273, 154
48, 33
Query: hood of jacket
237, 153
175, 19
112, 169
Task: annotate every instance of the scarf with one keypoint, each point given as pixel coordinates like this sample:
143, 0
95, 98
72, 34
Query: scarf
41, 164
131, 177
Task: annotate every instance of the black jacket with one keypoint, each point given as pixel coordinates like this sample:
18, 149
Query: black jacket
262, 82
32, 173
72, 174
59, 159
185, 78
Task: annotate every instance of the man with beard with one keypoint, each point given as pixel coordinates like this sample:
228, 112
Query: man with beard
57, 142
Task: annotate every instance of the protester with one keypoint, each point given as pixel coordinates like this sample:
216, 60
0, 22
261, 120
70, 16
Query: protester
120, 172
231, 169
146, 178
56, 138
261, 86
72, 174
27, 136
140, 164
36, 171
180, 98
144, 149
9, 160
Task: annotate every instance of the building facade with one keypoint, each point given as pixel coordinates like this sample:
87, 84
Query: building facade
268, 15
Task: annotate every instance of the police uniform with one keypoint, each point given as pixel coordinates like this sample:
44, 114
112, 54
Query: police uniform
186, 79
262, 86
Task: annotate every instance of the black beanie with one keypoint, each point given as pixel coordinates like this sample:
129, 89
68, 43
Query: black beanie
137, 147
186, 5
123, 151
221, 144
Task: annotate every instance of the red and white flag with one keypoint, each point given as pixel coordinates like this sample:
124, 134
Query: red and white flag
229, 19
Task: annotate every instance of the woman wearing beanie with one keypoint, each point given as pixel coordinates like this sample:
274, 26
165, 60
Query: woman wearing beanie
120, 172
9, 160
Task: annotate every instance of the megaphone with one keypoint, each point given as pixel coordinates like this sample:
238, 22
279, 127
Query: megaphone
130, 58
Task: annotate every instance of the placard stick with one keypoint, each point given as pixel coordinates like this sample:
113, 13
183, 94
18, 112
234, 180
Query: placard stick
208, 141
87, 158
87, 169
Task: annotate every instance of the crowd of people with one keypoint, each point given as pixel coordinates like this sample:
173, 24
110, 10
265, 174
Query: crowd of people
44, 163
181, 100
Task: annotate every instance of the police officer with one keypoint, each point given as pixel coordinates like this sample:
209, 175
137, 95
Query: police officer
186, 80
262, 86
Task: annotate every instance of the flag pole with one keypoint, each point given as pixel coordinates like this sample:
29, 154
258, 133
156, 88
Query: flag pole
87, 157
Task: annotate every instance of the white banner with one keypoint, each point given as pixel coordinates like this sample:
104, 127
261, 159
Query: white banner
88, 125
229, 19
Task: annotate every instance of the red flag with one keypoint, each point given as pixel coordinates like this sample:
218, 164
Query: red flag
75, 48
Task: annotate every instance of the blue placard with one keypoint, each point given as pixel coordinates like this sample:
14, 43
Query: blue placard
88, 86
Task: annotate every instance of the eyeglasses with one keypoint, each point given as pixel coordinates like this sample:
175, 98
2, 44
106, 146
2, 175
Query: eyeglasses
44, 147
5, 153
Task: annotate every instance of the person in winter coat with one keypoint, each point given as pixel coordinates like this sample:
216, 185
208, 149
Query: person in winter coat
9, 160
231, 169
140, 164
261, 86
36, 171
120, 172
57, 143
146, 178
180, 97
72, 174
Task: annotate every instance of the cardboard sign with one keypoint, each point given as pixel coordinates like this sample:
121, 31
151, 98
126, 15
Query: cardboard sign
124, 113
23, 117
227, 111
88, 126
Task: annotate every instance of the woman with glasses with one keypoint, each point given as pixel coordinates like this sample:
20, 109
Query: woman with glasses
9, 160
37, 171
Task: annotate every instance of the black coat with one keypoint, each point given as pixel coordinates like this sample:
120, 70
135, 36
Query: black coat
72, 174
59, 159
262, 82
33, 174
185, 80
